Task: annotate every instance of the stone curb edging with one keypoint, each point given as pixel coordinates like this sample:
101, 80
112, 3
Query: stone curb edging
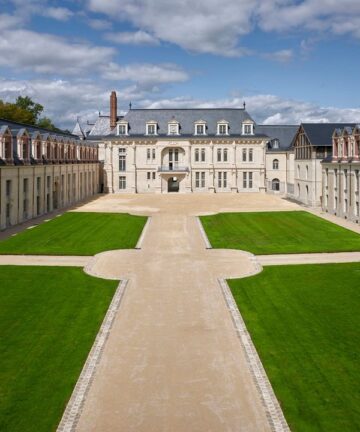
143, 233
203, 234
75, 405
272, 407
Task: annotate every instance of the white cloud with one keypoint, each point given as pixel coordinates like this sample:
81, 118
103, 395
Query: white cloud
145, 74
282, 56
211, 26
44, 53
99, 24
58, 13
132, 38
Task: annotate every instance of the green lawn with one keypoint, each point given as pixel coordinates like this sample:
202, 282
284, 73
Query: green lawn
49, 317
304, 321
77, 234
278, 232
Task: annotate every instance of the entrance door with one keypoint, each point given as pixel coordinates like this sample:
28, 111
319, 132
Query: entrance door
173, 184
173, 159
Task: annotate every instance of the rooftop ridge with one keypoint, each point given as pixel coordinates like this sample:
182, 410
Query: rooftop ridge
27, 125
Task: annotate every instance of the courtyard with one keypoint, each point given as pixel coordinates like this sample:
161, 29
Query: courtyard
173, 359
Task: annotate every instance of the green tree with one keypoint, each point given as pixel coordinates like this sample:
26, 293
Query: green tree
29, 105
13, 112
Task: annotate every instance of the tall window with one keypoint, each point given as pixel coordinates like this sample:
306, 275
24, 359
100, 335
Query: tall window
275, 164
8, 188
219, 179
202, 155
150, 155
122, 129
122, 182
244, 180
202, 179
225, 155
122, 159
222, 180
250, 180
244, 155
219, 155
345, 180
251, 156
247, 129
197, 155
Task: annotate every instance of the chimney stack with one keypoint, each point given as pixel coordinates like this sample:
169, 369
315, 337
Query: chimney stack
113, 110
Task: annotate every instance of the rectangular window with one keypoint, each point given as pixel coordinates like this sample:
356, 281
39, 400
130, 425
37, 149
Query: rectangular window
225, 179
203, 179
151, 129
148, 154
153, 154
202, 155
247, 129
251, 155
148, 175
244, 180
219, 179
200, 129
244, 155
48, 181
250, 180
219, 155
8, 211
196, 155
122, 129
222, 129
38, 184
8, 188
225, 155
197, 179
122, 159
122, 182
26, 185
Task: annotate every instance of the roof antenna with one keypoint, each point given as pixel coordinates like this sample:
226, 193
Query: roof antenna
244, 104
130, 105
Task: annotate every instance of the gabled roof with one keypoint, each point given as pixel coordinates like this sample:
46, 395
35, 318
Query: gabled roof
78, 130
320, 134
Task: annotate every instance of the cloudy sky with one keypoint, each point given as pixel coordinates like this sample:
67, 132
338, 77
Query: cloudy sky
290, 60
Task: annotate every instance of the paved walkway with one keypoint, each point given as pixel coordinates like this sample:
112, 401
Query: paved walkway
173, 360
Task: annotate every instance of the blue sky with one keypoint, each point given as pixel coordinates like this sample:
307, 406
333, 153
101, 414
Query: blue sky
290, 60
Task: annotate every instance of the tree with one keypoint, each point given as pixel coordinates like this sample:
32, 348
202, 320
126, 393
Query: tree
29, 105
25, 110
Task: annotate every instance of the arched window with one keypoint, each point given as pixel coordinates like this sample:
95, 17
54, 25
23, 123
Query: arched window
275, 164
275, 185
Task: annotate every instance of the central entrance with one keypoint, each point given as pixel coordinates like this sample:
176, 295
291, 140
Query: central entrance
173, 184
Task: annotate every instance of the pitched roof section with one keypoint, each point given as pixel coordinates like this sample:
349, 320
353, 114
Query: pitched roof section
78, 130
101, 126
187, 118
15, 126
284, 133
320, 134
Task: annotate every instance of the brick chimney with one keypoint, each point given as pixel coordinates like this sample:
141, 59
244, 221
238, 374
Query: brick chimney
113, 109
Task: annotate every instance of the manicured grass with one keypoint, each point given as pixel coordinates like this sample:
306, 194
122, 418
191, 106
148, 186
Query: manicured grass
304, 321
49, 317
77, 234
278, 232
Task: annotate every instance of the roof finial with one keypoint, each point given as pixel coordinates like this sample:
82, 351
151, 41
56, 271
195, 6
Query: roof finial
130, 105
244, 104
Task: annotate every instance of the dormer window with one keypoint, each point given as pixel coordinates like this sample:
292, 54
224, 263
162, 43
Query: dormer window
151, 128
275, 144
248, 127
173, 128
123, 128
200, 128
223, 128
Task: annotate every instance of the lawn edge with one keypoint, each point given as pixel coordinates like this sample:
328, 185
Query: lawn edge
143, 233
268, 398
203, 233
77, 399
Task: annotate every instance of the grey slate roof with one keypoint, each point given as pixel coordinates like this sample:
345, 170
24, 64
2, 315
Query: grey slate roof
137, 119
78, 130
16, 127
320, 134
284, 133
101, 126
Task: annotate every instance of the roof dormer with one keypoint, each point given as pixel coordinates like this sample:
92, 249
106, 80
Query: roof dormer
173, 127
247, 127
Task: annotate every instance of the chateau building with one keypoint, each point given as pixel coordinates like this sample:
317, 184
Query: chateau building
312, 144
341, 174
190, 150
42, 170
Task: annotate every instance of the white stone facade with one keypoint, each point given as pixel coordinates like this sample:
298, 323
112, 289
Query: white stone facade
183, 165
